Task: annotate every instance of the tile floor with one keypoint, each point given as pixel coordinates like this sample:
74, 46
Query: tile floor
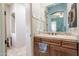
16, 51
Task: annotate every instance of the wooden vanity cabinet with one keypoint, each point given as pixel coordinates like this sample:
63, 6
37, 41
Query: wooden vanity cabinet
69, 44
68, 52
69, 48
56, 47
64, 48
37, 51
54, 50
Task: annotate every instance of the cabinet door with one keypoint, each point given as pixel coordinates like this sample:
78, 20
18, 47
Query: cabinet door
36, 50
38, 53
54, 50
68, 52
45, 53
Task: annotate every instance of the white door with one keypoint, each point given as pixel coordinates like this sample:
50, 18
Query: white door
28, 30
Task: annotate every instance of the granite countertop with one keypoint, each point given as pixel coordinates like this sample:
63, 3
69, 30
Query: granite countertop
62, 37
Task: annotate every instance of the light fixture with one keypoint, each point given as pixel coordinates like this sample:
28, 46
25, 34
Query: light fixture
58, 14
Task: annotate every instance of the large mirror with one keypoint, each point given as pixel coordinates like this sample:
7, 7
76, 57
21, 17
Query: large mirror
49, 17
57, 17
57, 21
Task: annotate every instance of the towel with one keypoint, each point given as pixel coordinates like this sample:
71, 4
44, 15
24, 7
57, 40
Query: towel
43, 47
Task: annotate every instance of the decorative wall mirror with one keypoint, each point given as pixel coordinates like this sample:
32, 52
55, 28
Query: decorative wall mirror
57, 21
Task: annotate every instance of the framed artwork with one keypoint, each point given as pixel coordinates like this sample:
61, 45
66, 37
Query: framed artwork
72, 17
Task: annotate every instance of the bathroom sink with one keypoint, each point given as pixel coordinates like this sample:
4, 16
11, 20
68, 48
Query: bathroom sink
58, 36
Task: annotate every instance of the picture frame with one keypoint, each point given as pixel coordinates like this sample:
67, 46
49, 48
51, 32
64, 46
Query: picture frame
72, 17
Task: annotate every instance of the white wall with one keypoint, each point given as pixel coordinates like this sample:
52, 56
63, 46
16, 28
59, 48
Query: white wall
20, 25
12, 19
23, 27
29, 43
12, 24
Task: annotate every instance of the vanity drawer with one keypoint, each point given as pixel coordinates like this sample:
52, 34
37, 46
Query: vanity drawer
44, 40
36, 39
69, 44
55, 42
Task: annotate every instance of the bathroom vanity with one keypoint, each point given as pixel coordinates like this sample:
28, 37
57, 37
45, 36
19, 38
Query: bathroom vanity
57, 45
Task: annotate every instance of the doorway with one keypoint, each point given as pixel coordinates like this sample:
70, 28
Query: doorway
18, 25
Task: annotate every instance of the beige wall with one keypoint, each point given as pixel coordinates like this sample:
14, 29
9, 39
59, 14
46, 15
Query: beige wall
38, 17
2, 30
